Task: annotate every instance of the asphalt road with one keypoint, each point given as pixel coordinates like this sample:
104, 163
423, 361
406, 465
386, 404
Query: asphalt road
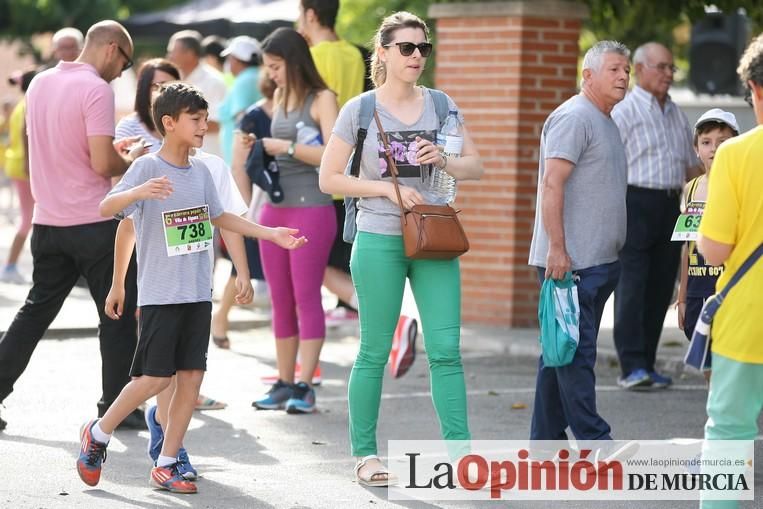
253, 459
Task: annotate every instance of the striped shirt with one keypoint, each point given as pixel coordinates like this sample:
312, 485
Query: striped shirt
658, 144
132, 126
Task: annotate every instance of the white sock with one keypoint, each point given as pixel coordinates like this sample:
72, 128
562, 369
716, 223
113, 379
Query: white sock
164, 461
99, 435
354, 301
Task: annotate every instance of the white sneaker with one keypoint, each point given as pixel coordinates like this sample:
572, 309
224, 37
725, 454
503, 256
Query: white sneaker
12, 275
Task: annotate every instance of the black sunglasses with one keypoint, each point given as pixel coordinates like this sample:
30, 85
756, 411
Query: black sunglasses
128, 60
407, 48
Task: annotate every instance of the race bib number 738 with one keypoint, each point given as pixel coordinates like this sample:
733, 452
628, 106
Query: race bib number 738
187, 230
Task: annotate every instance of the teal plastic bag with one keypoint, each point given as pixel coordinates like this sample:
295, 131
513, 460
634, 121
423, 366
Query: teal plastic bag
559, 317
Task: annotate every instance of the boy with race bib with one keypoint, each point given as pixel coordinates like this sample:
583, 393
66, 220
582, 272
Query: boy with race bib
697, 276
173, 202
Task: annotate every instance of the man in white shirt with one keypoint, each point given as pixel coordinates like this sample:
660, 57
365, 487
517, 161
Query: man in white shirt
659, 147
184, 50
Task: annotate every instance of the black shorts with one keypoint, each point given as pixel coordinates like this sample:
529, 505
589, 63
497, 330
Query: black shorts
339, 257
173, 337
693, 308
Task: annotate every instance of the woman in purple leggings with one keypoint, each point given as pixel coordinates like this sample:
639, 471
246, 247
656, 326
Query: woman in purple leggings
304, 115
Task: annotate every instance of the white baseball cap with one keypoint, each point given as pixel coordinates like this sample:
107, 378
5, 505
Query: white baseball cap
242, 47
718, 115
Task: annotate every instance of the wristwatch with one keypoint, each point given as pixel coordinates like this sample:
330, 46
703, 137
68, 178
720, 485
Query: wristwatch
290, 150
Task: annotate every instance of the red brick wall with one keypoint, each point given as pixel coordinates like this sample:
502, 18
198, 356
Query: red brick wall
506, 73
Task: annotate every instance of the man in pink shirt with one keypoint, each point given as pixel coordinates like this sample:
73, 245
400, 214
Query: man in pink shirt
72, 157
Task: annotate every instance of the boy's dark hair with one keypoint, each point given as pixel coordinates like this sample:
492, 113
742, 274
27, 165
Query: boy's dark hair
145, 84
325, 11
711, 125
177, 98
213, 45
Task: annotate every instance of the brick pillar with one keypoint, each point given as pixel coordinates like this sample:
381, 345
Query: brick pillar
507, 65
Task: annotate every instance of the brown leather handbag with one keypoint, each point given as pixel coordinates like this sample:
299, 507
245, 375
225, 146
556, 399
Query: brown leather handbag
429, 231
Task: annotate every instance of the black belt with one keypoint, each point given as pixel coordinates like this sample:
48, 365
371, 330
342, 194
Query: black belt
670, 193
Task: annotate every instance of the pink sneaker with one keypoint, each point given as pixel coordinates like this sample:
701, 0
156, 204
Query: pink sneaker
403, 351
340, 316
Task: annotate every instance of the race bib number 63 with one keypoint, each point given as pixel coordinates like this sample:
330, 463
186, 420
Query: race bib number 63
187, 230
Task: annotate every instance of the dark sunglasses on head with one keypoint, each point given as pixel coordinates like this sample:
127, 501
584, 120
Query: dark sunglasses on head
128, 61
407, 48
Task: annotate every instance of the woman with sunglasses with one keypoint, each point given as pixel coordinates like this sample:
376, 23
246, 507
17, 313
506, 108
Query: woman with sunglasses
151, 76
302, 102
379, 265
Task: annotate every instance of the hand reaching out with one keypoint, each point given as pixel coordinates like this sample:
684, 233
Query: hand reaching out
122, 146
157, 188
285, 238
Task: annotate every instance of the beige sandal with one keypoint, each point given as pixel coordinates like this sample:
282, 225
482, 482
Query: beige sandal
370, 480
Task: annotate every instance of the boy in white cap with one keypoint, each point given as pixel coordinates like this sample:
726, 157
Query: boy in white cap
697, 276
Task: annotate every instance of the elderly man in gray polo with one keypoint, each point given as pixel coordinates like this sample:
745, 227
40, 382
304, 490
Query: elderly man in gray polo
580, 227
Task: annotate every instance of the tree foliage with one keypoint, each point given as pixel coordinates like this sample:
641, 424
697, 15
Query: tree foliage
632, 22
22, 18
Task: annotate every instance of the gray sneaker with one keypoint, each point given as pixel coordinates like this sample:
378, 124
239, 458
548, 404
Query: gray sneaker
276, 397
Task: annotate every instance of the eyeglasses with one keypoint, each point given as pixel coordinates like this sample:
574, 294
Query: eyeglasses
157, 85
407, 48
662, 67
128, 60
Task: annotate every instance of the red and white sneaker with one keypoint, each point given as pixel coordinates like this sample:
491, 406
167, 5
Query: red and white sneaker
272, 378
168, 478
403, 351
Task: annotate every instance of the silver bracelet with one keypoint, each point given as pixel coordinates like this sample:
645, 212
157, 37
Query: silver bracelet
445, 162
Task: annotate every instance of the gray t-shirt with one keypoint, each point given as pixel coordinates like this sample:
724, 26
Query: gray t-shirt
379, 214
164, 279
594, 194
299, 180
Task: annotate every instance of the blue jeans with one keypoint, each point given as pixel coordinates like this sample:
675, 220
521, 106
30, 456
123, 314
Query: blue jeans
566, 396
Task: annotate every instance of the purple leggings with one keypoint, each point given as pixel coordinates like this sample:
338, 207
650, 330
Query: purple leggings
295, 277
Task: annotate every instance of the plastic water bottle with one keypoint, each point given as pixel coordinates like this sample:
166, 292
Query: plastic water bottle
308, 135
442, 185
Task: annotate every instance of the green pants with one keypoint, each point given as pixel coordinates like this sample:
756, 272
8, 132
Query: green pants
733, 406
379, 270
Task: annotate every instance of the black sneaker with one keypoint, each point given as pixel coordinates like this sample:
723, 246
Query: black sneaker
302, 401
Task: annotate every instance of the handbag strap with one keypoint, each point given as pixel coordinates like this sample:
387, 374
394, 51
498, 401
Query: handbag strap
390, 163
748, 263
